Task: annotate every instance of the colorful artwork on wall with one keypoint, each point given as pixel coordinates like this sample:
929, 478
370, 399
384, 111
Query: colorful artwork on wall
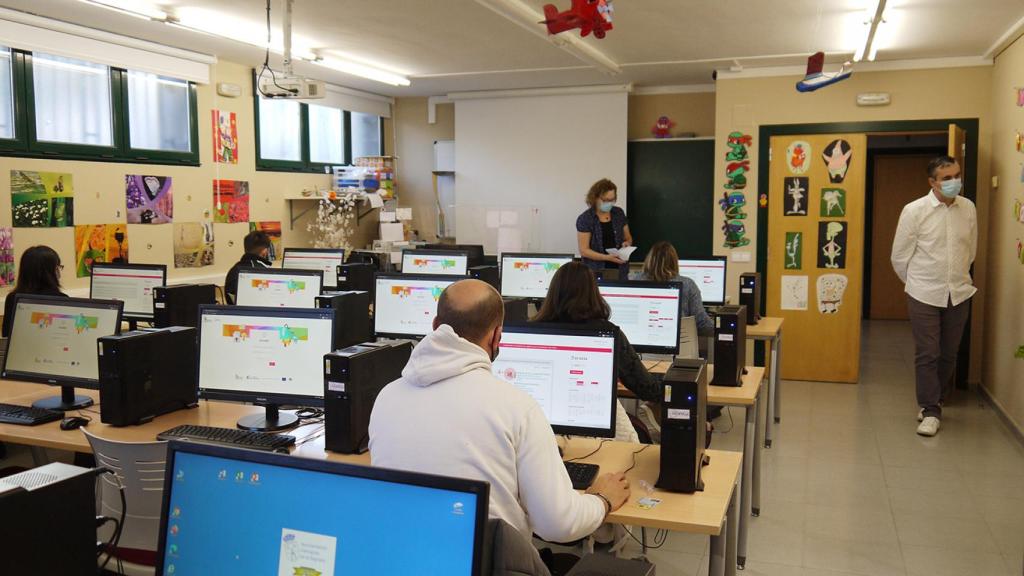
832, 244
42, 199
837, 157
833, 203
798, 157
793, 293
149, 199
225, 137
99, 243
272, 229
6, 257
230, 201
733, 200
794, 251
193, 244
831, 288
795, 201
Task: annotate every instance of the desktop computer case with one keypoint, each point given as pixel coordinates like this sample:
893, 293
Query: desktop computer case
357, 276
683, 426
486, 273
750, 295
517, 310
179, 305
351, 316
730, 345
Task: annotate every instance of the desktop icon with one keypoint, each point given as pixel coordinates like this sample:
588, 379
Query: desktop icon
457, 509
254, 478
239, 476
173, 549
176, 512
222, 475
174, 529
180, 475
170, 569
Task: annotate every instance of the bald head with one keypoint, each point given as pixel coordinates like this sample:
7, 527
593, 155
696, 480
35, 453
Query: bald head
472, 308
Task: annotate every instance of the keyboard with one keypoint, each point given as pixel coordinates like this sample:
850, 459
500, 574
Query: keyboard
582, 475
27, 415
228, 437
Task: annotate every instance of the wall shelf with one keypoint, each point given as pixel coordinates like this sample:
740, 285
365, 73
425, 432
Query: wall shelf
294, 216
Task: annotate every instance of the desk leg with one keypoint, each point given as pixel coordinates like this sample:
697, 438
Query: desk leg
773, 373
39, 455
722, 556
733, 529
777, 352
755, 487
746, 482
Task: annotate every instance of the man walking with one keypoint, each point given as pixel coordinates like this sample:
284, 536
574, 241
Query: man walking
935, 244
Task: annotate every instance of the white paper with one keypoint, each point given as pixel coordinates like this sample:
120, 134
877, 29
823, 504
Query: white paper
622, 253
403, 213
388, 216
396, 257
493, 219
375, 200
510, 240
509, 218
391, 232
794, 293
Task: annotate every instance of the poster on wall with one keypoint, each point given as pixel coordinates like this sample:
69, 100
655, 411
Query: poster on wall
837, 157
795, 202
832, 244
794, 251
149, 199
42, 199
272, 229
833, 203
230, 201
99, 243
225, 137
733, 200
193, 244
831, 288
793, 293
6, 257
798, 155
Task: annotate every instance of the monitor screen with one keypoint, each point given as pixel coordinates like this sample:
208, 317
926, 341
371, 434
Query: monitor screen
709, 274
284, 288
53, 340
232, 511
130, 283
570, 372
528, 275
405, 305
447, 262
647, 312
263, 355
326, 260
475, 251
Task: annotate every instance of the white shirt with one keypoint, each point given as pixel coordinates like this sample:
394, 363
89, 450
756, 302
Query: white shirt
934, 248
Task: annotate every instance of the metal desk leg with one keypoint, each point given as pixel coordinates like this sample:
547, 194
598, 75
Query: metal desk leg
732, 528
746, 482
777, 353
755, 488
773, 372
722, 557
716, 558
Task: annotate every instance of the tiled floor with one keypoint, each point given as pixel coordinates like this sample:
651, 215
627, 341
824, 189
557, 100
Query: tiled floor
850, 489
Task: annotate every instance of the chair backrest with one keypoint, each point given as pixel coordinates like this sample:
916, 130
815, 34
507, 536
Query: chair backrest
139, 467
689, 344
508, 553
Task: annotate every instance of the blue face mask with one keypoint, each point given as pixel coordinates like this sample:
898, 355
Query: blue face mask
605, 206
951, 188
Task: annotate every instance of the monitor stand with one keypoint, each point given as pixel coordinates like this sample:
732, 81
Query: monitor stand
270, 421
67, 400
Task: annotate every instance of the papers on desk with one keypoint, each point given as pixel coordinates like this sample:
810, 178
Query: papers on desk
392, 232
622, 253
375, 200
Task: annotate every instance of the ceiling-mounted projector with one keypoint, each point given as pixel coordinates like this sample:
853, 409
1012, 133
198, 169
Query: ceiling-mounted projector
281, 85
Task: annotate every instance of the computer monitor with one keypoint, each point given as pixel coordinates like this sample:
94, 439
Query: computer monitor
326, 260
278, 287
526, 275
569, 370
236, 511
53, 341
476, 251
132, 284
647, 313
709, 274
405, 304
265, 356
446, 262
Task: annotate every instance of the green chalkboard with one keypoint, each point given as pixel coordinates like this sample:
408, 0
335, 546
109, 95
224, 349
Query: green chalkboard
670, 195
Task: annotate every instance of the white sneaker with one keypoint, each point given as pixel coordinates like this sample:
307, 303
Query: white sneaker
646, 415
920, 414
929, 426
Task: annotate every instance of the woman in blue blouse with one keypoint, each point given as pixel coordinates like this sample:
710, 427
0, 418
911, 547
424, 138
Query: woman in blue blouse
602, 226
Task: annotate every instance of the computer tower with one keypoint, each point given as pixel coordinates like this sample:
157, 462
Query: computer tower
179, 305
683, 425
604, 564
487, 273
351, 316
49, 522
517, 310
750, 295
730, 345
352, 379
146, 373
357, 276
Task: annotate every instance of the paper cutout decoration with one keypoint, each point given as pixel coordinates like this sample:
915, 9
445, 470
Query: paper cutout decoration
272, 229
793, 293
762, 201
733, 199
149, 199
798, 156
816, 77
1020, 97
796, 193
738, 143
6, 257
832, 244
794, 251
663, 127
1019, 354
230, 201
225, 137
837, 160
193, 244
1020, 250
42, 199
590, 16
831, 288
99, 243
833, 202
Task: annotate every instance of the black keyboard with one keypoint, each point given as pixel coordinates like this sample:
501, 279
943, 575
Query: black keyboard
27, 415
582, 475
228, 437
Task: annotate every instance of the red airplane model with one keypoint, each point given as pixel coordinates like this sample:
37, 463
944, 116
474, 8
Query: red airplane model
587, 15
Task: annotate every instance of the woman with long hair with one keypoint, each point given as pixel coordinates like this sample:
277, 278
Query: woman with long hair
38, 273
662, 265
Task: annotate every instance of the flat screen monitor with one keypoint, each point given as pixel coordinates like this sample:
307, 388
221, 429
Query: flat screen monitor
132, 284
326, 260
446, 262
405, 304
646, 312
234, 511
528, 275
709, 274
476, 251
278, 287
53, 340
569, 370
265, 356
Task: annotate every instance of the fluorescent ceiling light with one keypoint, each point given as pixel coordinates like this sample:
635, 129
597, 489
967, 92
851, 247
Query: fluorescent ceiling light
873, 20
363, 71
249, 32
136, 8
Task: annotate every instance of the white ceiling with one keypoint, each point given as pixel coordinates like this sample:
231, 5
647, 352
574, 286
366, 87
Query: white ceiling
455, 45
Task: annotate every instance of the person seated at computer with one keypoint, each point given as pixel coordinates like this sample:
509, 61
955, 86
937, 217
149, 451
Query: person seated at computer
662, 265
257, 251
573, 298
38, 273
448, 414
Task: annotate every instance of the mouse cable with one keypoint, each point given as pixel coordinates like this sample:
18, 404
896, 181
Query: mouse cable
660, 537
115, 538
592, 453
633, 465
305, 413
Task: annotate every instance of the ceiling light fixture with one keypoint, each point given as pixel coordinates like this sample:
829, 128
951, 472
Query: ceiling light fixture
134, 8
362, 70
875, 18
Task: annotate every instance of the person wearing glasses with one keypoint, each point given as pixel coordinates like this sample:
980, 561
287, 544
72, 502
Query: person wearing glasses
39, 274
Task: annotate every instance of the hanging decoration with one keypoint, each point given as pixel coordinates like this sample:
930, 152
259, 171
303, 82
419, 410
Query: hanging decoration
837, 160
831, 288
816, 78
1020, 97
587, 15
225, 137
796, 192
230, 201
734, 200
663, 127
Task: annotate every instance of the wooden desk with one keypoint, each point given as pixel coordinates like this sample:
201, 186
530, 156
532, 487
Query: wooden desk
769, 329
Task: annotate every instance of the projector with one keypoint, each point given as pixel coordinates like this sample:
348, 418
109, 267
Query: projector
286, 86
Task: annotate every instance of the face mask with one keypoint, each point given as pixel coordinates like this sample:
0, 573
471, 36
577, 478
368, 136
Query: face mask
606, 206
951, 188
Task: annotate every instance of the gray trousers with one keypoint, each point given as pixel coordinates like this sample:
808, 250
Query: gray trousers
937, 333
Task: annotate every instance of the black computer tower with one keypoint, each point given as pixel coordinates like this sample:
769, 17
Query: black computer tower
357, 276
351, 316
750, 295
683, 426
730, 345
517, 310
352, 379
146, 373
179, 305
488, 273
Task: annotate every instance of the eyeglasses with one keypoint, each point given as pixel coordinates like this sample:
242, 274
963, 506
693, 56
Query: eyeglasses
60, 267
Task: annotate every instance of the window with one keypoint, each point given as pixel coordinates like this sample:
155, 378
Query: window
365, 135
281, 129
159, 113
72, 101
6, 94
326, 135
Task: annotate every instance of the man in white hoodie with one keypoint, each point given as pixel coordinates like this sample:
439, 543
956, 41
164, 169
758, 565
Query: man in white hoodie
449, 415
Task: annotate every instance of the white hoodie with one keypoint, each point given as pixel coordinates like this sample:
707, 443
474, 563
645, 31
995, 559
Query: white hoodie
449, 415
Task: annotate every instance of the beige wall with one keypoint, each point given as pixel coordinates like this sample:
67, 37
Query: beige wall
1003, 375
748, 104
692, 112
415, 151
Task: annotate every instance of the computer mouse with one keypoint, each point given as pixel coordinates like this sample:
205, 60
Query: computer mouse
73, 423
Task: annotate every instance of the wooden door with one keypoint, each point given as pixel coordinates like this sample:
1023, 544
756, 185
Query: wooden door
816, 252
899, 180
958, 146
